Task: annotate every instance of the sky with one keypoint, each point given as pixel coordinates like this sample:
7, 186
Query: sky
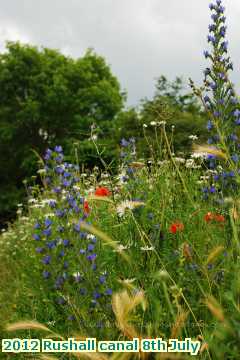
140, 39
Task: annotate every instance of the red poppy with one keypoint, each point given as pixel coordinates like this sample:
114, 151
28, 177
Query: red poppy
209, 217
219, 218
86, 207
175, 227
102, 191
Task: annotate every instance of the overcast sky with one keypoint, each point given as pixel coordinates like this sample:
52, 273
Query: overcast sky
140, 39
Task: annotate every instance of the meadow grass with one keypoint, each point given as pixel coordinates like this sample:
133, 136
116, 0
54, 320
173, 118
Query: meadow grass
170, 258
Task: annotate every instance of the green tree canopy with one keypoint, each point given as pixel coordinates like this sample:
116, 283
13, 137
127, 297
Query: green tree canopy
48, 98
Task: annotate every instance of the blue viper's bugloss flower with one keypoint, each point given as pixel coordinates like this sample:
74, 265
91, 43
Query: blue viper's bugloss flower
102, 279
108, 292
58, 149
90, 247
66, 242
206, 54
222, 105
46, 274
47, 259
60, 237
47, 232
47, 222
61, 301
124, 142
209, 125
48, 154
91, 257
235, 157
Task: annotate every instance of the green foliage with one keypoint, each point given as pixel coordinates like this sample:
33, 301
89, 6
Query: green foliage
179, 109
189, 276
47, 97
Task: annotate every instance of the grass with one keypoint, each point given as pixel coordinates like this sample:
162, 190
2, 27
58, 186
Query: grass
172, 261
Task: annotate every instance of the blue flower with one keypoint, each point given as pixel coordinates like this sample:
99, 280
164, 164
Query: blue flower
206, 54
47, 259
207, 71
102, 279
59, 169
37, 226
83, 291
222, 31
213, 86
61, 301
211, 6
58, 149
214, 17
124, 142
46, 274
224, 46
209, 125
212, 27
96, 295
51, 244
66, 242
108, 292
91, 257
36, 237
57, 190
47, 232
52, 203
59, 213
61, 254
212, 189
48, 222
235, 157
48, 154
60, 228
236, 113
211, 39
90, 247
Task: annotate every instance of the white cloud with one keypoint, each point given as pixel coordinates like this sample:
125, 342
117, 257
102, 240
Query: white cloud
141, 39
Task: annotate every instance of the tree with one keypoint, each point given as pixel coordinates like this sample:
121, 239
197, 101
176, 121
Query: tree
46, 99
179, 109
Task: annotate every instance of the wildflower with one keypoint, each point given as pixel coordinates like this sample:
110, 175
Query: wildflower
211, 217
147, 248
219, 218
176, 227
153, 123
102, 279
102, 191
193, 137
121, 248
108, 292
86, 207
124, 142
127, 204
46, 260
58, 149
46, 274
91, 257
36, 237
208, 217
